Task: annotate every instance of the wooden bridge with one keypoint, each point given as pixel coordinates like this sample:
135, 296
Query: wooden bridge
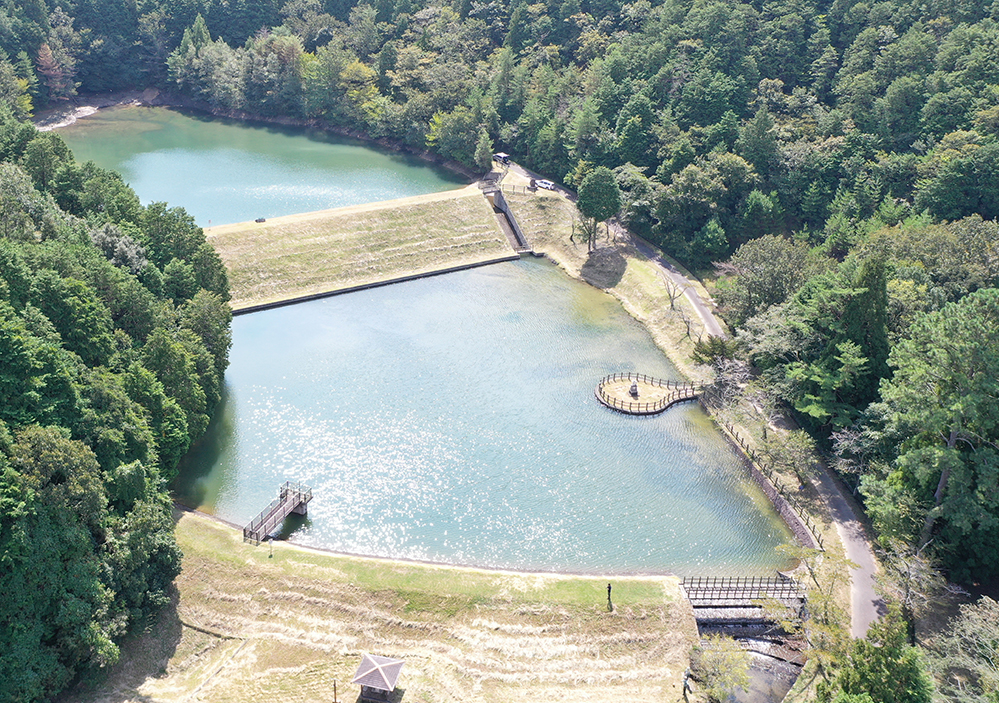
638, 394
292, 498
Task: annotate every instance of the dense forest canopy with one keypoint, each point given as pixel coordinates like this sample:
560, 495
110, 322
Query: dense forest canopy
838, 162
114, 335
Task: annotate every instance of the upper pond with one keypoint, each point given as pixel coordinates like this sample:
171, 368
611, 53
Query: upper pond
222, 171
453, 419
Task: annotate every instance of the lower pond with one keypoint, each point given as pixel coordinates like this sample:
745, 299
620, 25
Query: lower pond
452, 419
224, 171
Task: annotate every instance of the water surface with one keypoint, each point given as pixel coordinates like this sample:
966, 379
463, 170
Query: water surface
224, 171
453, 419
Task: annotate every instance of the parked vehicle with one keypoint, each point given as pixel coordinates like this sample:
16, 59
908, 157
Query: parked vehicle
547, 185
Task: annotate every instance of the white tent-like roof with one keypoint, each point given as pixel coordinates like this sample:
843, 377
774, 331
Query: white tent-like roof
378, 672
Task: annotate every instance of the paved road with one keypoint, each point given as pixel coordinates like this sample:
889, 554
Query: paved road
866, 605
703, 310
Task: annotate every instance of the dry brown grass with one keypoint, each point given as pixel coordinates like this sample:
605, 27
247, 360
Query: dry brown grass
288, 257
250, 627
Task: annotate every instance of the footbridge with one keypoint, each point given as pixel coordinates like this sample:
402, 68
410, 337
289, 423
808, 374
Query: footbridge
292, 498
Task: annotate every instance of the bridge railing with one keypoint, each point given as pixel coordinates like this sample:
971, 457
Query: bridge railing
290, 496
720, 588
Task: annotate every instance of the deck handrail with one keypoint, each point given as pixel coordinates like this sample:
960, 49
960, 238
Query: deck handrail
681, 391
290, 496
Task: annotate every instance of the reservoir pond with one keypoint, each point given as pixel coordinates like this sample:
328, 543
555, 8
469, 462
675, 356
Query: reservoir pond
453, 419
224, 171
449, 419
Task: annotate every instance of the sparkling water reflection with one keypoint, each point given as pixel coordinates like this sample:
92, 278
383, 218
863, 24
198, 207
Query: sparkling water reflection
453, 420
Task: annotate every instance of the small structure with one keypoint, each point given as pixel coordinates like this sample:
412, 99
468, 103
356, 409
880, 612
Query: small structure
621, 392
377, 676
292, 498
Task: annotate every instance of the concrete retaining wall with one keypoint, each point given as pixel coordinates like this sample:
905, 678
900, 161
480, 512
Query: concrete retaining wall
376, 284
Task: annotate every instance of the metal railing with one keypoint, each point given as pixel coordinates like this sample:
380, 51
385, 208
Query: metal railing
290, 496
745, 588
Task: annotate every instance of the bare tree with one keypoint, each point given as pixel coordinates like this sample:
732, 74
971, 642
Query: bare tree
911, 579
673, 290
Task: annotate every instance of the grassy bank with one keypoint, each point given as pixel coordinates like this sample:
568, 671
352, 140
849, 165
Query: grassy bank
329, 250
247, 626
549, 221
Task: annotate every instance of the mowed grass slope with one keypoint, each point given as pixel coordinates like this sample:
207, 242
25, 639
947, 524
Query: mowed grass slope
249, 627
288, 257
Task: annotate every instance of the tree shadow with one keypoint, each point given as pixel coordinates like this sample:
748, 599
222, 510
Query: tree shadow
192, 484
394, 697
145, 655
604, 268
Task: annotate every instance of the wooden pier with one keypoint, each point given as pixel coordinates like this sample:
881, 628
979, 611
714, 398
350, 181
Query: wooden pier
638, 394
292, 498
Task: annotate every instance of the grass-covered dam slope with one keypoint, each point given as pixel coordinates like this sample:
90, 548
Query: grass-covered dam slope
318, 252
254, 624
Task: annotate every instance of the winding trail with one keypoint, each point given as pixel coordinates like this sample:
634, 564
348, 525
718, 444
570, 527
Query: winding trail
703, 309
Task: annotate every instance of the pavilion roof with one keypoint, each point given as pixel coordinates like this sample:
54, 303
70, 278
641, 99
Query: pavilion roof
378, 672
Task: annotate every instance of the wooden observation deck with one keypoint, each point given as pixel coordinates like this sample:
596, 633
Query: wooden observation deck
638, 394
292, 498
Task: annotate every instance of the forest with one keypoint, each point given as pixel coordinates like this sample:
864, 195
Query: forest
114, 336
831, 166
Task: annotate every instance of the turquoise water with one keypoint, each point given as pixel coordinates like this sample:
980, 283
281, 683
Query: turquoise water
223, 171
450, 419
453, 419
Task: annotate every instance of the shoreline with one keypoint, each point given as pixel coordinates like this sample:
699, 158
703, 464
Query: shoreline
465, 568
90, 104
81, 106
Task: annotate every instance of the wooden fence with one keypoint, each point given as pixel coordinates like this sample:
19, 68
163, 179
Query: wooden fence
782, 500
678, 391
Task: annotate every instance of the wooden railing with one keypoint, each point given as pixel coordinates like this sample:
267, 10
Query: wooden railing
767, 470
678, 391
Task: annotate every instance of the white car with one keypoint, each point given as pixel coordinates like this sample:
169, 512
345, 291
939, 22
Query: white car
547, 185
